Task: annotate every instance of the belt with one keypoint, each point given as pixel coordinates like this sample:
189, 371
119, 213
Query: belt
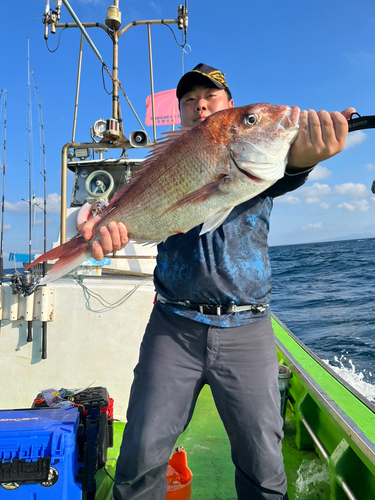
215, 309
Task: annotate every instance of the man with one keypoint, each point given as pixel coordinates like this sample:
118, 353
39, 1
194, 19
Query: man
194, 337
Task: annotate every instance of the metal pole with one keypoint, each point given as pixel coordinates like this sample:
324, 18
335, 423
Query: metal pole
3, 196
151, 80
142, 23
85, 34
77, 88
115, 77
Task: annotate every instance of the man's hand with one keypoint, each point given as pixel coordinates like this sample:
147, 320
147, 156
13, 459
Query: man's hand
321, 136
112, 237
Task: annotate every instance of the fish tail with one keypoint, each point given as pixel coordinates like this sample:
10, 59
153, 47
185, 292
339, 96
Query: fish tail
70, 255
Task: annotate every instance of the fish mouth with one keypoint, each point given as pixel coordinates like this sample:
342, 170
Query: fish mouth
245, 172
290, 119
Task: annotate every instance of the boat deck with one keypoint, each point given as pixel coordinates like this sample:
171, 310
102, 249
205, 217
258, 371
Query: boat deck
208, 454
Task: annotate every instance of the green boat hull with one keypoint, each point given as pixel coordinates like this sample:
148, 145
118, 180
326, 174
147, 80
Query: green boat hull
328, 445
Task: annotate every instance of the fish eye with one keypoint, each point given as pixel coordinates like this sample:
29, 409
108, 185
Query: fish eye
250, 119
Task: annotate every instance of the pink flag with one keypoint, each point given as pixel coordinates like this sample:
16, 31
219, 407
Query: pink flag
166, 108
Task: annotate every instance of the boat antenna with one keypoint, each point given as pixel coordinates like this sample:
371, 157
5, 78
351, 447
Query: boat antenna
3, 91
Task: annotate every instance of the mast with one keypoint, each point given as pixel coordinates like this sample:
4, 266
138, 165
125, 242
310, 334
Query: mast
3, 197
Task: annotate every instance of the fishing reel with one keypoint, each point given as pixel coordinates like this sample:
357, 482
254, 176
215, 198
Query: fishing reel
23, 284
361, 123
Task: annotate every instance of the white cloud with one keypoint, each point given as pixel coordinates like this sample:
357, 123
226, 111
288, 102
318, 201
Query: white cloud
22, 207
370, 166
359, 206
317, 225
316, 190
53, 203
7, 227
324, 205
351, 189
320, 172
312, 200
287, 200
355, 138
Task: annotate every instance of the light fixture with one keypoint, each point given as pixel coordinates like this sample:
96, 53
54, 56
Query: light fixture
81, 153
113, 19
98, 129
112, 130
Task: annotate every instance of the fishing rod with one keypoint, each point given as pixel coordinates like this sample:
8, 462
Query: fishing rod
29, 323
3, 198
362, 123
43, 148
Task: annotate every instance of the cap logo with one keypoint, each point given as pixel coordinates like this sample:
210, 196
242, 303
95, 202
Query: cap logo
219, 77
216, 75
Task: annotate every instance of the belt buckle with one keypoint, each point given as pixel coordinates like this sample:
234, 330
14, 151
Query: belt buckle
231, 308
207, 309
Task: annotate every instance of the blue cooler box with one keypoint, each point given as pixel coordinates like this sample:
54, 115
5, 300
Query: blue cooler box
39, 454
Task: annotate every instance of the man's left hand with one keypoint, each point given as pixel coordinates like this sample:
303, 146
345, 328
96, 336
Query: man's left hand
321, 136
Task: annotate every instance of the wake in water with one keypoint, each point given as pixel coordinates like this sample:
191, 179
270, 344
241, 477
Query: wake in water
355, 379
313, 479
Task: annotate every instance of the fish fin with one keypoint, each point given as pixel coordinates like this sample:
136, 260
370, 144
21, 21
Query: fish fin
162, 144
70, 255
148, 242
213, 222
201, 194
159, 149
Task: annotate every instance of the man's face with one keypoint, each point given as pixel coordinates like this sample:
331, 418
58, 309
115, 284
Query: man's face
201, 102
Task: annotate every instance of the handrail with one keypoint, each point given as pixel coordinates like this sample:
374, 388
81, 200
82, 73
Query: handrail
326, 456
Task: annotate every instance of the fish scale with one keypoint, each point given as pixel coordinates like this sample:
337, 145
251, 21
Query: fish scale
195, 176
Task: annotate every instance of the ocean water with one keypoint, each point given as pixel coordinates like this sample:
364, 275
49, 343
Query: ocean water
325, 294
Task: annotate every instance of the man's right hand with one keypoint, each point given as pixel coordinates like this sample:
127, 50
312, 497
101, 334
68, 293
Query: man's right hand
113, 237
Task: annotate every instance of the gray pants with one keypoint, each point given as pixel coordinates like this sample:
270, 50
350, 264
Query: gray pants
177, 357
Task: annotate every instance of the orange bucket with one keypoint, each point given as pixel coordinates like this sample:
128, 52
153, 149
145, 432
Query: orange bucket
179, 476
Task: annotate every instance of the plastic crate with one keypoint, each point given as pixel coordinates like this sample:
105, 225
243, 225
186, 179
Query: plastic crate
39, 454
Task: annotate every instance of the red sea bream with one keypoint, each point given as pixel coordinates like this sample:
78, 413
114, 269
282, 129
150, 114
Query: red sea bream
194, 177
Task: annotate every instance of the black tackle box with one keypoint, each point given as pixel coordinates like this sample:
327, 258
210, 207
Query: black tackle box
95, 432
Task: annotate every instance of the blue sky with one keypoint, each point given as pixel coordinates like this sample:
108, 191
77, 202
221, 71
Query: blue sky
318, 55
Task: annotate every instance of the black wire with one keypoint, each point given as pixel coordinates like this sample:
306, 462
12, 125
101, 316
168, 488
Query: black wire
183, 45
109, 93
58, 43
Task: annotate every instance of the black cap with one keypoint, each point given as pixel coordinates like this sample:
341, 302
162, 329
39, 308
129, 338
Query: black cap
200, 74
